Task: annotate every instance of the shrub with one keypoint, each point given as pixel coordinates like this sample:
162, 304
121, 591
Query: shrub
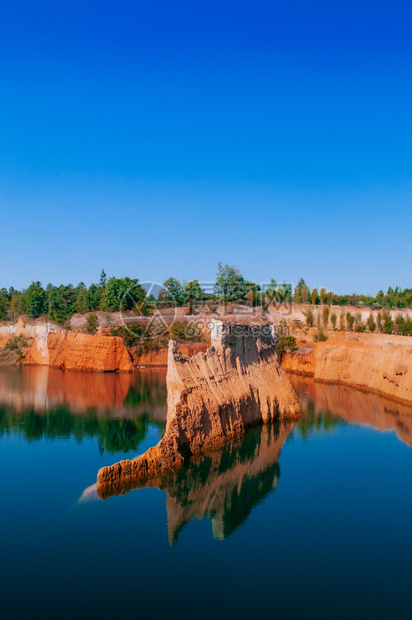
322, 296
16, 344
285, 344
92, 324
333, 319
388, 323
309, 317
399, 323
379, 322
350, 319
320, 336
314, 295
183, 330
405, 328
371, 323
325, 316
359, 325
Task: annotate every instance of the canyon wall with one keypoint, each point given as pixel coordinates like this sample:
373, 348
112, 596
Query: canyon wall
49, 344
212, 398
375, 363
71, 351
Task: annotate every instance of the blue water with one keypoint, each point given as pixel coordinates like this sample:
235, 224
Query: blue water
318, 527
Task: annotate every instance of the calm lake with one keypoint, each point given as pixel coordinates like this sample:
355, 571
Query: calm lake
300, 520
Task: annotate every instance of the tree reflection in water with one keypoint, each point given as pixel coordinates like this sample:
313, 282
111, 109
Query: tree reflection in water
42, 403
223, 485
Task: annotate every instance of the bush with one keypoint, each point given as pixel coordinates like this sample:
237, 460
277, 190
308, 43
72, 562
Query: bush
333, 319
325, 316
183, 330
92, 324
405, 328
350, 319
388, 323
320, 336
16, 344
285, 344
144, 338
371, 323
309, 317
379, 322
359, 325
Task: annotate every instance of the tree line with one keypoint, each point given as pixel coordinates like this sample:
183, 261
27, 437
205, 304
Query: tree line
60, 303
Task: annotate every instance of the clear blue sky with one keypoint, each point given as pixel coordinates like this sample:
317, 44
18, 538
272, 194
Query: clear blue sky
157, 138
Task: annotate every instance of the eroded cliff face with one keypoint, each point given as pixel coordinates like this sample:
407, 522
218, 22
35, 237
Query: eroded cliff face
72, 351
381, 364
51, 345
212, 398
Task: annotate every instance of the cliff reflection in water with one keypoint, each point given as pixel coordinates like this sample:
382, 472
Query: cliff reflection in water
41, 402
223, 485
326, 405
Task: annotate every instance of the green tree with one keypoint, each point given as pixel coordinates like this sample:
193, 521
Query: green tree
322, 295
371, 323
399, 323
325, 316
62, 302
305, 294
92, 324
95, 297
4, 304
231, 285
35, 300
172, 290
103, 279
333, 319
123, 294
298, 292
191, 292
388, 323
350, 320
314, 295
285, 344
309, 317
379, 322
359, 325
81, 298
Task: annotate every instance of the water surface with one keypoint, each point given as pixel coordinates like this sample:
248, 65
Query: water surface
306, 520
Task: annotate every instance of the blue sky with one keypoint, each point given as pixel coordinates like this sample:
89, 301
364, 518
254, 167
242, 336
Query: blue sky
158, 138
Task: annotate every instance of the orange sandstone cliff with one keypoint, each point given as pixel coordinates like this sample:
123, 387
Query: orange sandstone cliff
375, 363
212, 398
49, 344
72, 351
